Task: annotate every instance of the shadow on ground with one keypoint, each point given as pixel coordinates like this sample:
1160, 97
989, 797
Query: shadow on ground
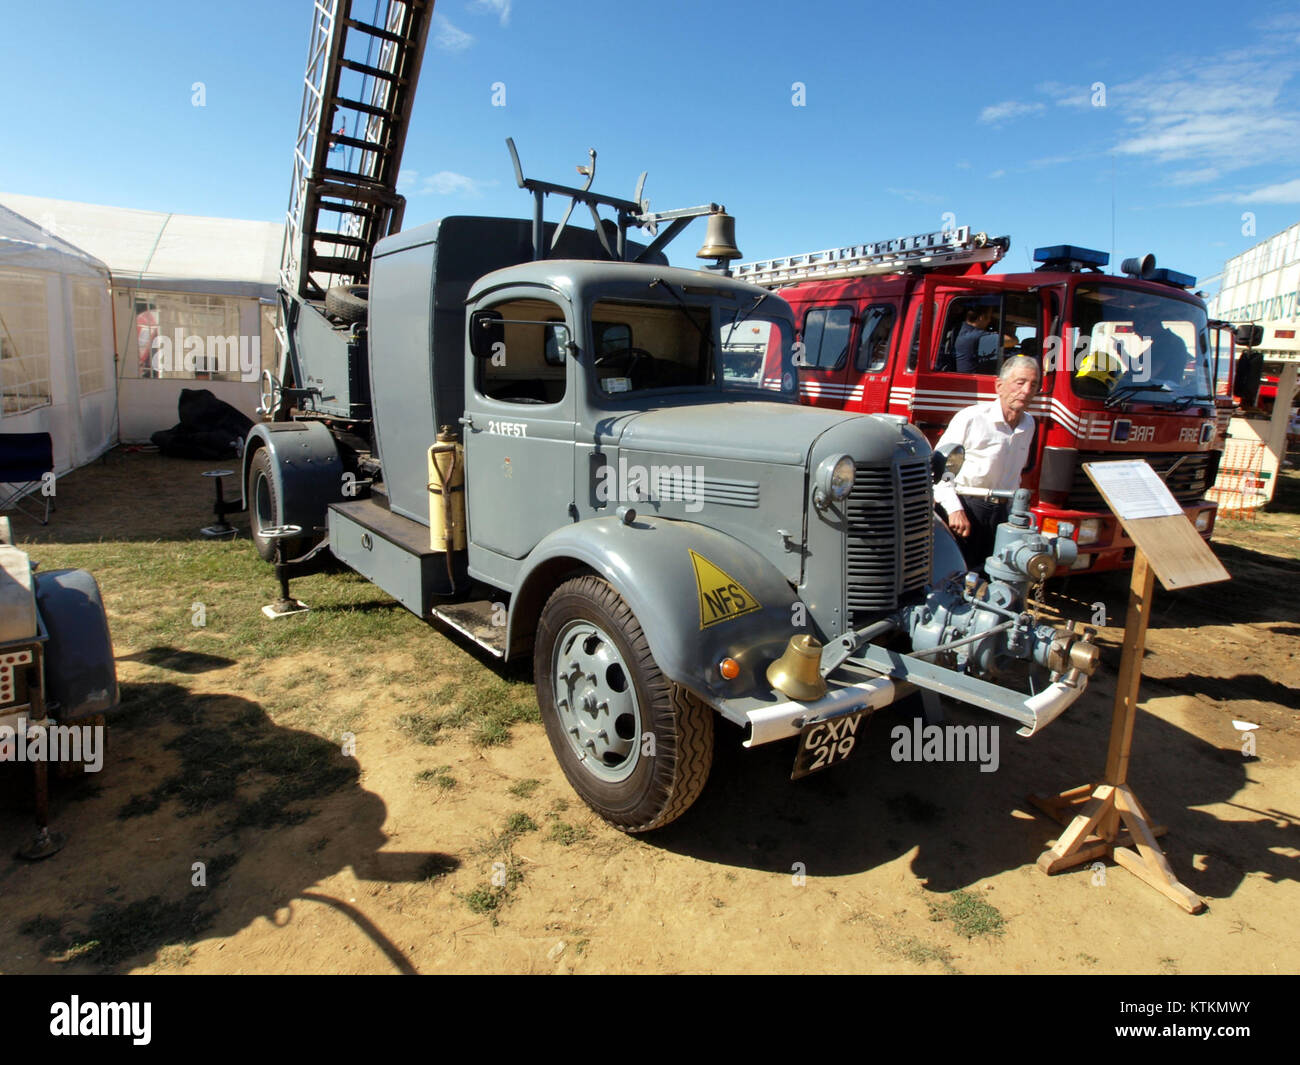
189, 778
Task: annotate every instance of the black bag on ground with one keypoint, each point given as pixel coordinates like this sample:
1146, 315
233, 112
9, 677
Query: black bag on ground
209, 428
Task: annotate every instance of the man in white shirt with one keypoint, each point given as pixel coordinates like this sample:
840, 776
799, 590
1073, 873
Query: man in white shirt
996, 437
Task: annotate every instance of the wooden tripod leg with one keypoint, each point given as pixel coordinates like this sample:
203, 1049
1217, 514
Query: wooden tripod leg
1072, 848
1148, 862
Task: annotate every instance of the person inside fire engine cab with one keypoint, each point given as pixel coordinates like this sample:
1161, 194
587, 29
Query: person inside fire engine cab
975, 348
1164, 359
997, 438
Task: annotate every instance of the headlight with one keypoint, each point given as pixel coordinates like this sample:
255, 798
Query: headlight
1203, 521
946, 459
1089, 531
834, 480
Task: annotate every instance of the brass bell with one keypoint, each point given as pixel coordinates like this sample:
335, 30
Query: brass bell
720, 238
796, 674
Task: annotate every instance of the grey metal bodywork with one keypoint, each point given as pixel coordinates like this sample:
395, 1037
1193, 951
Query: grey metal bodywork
649, 563
420, 279
80, 672
306, 466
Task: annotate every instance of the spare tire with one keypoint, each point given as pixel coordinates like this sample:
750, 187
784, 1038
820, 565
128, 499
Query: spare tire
348, 302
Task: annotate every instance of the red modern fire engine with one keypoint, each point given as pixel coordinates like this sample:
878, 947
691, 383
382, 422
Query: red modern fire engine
880, 325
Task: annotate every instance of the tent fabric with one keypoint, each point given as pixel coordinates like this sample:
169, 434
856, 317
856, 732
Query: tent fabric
154, 249
57, 371
24, 245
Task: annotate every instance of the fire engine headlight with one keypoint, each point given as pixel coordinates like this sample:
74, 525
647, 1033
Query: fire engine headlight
1089, 531
834, 480
1202, 521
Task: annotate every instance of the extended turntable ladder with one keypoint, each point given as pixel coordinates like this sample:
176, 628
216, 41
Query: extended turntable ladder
356, 108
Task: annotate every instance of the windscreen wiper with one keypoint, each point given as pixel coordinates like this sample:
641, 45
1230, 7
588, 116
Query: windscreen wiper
752, 308
1127, 390
1186, 401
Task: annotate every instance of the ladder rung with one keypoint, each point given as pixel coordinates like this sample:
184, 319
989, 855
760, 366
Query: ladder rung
334, 264
327, 237
369, 109
340, 207
374, 72
375, 31
356, 142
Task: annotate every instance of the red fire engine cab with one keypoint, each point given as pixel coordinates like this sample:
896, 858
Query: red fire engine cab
1128, 367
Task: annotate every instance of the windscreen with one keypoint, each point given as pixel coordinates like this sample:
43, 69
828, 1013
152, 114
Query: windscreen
1132, 345
644, 347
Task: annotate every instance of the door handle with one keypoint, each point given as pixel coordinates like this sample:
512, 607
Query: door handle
467, 420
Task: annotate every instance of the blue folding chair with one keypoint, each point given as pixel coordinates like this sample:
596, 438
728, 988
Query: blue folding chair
25, 459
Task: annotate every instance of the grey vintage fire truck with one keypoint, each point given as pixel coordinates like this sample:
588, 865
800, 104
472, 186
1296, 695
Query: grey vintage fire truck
508, 420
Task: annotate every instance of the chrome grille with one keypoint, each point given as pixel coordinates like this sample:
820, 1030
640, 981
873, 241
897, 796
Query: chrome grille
889, 536
1187, 483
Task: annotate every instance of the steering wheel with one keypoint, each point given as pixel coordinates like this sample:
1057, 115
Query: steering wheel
628, 357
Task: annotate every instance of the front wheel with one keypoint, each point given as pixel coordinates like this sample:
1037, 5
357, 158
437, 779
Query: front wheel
635, 746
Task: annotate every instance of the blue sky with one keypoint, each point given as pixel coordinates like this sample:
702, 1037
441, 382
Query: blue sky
909, 111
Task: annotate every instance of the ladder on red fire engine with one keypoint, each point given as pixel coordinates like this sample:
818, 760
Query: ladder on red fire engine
356, 107
925, 251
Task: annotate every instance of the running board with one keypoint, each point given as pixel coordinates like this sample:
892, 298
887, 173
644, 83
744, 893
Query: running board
479, 620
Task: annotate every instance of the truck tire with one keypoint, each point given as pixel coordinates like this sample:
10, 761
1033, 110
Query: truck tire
636, 747
265, 509
348, 302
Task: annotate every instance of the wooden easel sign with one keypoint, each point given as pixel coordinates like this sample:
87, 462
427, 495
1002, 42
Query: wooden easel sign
1169, 547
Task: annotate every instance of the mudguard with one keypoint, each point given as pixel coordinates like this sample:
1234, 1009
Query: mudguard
80, 674
698, 594
947, 558
307, 468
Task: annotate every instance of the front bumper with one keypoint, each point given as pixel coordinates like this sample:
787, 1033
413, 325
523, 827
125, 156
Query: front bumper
874, 678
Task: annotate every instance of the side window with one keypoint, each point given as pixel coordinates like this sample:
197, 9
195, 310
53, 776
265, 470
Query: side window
915, 351
877, 331
530, 365
826, 337
969, 341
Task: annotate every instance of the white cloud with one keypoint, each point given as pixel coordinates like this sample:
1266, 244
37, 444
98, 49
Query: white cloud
1226, 114
1009, 109
997, 174
406, 179
449, 183
500, 8
1284, 192
448, 37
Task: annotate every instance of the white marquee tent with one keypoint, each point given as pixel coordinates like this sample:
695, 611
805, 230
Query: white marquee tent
56, 343
177, 279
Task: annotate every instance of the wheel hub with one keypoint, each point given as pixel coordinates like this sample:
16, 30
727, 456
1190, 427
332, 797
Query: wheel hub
596, 701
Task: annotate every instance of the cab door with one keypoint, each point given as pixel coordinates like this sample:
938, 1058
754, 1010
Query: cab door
519, 428
822, 357
1015, 327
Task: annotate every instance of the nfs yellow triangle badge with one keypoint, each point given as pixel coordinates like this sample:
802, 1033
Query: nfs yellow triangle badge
722, 597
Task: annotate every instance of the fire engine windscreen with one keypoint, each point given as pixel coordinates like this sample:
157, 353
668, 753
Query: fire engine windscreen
1147, 348
646, 346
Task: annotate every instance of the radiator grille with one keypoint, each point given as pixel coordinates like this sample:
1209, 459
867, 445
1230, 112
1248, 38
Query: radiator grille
889, 536
1187, 483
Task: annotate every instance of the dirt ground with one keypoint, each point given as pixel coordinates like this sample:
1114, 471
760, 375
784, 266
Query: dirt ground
227, 752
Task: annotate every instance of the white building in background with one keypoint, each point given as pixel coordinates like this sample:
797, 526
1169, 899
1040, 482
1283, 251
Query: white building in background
1262, 284
193, 302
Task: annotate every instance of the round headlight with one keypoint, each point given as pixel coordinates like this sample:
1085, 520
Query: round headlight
834, 479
